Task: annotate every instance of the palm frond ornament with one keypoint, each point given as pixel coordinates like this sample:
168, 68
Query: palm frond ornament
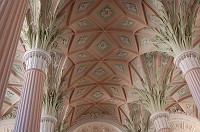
175, 30
153, 87
153, 96
53, 105
139, 119
54, 96
42, 24
153, 91
177, 35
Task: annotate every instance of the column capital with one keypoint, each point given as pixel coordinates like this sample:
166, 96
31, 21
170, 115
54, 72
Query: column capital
49, 118
48, 123
160, 120
37, 58
187, 60
160, 114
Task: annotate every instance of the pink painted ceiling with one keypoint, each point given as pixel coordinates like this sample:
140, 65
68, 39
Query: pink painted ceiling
102, 54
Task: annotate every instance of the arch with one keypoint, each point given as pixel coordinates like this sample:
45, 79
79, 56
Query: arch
97, 120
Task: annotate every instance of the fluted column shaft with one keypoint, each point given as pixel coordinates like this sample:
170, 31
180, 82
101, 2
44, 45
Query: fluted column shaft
12, 14
30, 105
160, 121
48, 123
30, 102
188, 62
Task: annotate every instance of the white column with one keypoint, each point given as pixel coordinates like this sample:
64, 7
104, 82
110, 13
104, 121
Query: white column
30, 105
188, 62
48, 123
160, 121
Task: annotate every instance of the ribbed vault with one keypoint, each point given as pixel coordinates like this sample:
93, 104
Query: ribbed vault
103, 53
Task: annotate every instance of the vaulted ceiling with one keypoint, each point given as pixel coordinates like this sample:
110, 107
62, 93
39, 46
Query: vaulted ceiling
103, 54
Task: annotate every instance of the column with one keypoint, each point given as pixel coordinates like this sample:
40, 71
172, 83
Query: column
188, 63
11, 20
48, 123
30, 105
160, 121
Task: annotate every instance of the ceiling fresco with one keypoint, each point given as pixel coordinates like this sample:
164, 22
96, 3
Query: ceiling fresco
103, 53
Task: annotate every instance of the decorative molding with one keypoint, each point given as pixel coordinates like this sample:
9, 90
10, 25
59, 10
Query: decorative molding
48, 123
116, 79
82, 23
37, 59
96, 117
119, 67
9, 95
127, 24
182, 113
160, 120
102, 45
18, 56
82, 55
114, 90
184, 122
11, 115
143, 41
83, 6
81, 91
99, 72
155, 3
48, 118
7, 125
18, 68
97, 94
81, 69
165, 130
106, 12
157, 115
125, 40
187, 60
122, 54
96, 127
131, 7
82, 40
